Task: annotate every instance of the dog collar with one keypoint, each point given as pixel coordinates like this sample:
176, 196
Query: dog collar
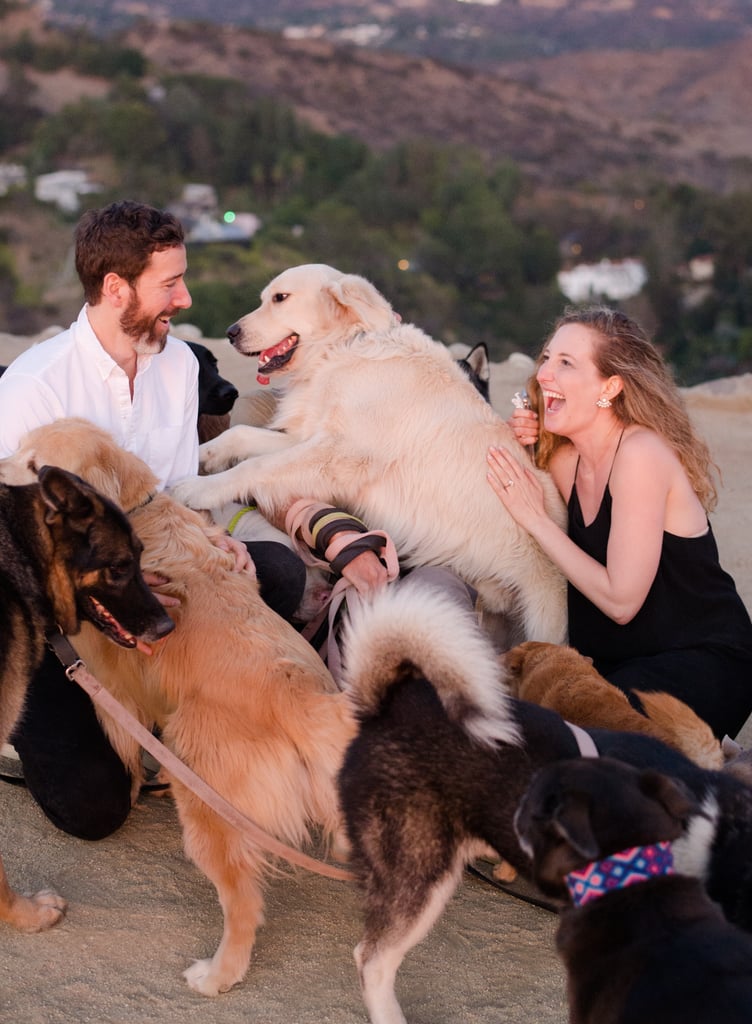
238, 516
637, 864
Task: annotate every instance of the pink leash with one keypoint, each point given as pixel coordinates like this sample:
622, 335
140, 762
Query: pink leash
76, 670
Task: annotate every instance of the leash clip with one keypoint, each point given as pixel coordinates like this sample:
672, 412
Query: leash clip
66, 653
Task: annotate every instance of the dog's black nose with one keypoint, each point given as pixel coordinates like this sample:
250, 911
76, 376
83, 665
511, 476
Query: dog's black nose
232, 332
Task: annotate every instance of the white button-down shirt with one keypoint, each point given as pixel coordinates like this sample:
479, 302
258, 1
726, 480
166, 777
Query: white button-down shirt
72, 375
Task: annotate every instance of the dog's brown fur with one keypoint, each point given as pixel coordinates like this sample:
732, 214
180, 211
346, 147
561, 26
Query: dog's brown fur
562, 679
65, 554
237, 692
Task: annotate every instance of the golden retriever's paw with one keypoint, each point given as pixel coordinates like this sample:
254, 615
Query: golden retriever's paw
504, 872
194, 492
212, 457
203, 977
36, 913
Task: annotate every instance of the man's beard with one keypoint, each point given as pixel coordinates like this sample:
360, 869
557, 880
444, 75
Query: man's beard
149, 334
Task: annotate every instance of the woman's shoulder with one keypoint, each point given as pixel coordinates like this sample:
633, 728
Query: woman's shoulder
640, 444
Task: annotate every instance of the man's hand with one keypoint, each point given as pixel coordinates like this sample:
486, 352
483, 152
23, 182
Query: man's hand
155, 580
366, 573
243, 561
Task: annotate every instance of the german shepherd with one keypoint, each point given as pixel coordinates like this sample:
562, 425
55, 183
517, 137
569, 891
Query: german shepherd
238, 693
67, 554
642, 944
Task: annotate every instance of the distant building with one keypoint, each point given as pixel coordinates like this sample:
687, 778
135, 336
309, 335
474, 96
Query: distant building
239, 227
198, 212
64, 189
609, 279
11, 176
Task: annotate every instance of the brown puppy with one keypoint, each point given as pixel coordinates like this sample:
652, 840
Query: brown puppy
66, 555
562, 679
237, 692
641, 943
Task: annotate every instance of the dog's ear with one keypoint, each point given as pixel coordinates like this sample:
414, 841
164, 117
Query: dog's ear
670, 793
514, 659
571, 820
361, 303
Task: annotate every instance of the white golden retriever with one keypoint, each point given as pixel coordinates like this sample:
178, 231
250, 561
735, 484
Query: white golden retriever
376, 417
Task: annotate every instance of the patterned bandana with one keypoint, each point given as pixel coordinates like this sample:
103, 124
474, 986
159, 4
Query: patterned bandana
638, 864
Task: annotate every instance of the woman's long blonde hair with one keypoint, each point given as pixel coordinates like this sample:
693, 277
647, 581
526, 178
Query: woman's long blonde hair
649, 395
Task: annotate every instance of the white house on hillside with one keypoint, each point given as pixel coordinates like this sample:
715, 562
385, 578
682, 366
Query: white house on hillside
609, 279
64, 189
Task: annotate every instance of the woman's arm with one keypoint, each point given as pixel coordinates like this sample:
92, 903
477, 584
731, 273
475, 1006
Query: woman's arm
640, 484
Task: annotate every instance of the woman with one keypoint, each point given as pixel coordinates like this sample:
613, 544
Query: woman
648, 600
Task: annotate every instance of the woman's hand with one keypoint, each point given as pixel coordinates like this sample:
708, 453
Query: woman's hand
524, 424
517, 488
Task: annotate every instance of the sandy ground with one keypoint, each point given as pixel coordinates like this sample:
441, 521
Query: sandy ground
140, 912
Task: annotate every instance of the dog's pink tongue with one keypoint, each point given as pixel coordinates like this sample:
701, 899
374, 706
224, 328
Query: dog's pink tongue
262, 379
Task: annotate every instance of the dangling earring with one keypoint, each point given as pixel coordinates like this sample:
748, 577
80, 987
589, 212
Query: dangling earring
604, 403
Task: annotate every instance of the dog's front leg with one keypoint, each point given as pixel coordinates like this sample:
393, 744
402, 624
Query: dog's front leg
29, 913
238, 443
235, 870
207, 492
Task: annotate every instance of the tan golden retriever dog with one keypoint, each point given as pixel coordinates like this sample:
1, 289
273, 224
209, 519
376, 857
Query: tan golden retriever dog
377, 417
562, 679
238, 694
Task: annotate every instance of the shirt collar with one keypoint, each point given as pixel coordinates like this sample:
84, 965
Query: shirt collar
91, 344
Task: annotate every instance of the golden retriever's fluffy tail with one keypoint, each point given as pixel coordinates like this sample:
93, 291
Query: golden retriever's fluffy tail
421, 627
682, 729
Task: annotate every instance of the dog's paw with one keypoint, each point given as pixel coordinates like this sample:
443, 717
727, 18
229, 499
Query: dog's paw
203, 977
36, 913
194, 492
213, 457
504, 872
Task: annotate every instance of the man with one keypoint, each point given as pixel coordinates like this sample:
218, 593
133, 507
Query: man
117, 366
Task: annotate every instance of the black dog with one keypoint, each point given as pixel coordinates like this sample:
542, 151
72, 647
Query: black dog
641, 944
216, 396
67, 554
441, 761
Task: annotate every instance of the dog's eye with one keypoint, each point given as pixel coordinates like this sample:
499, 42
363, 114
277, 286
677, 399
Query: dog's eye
120, 570
33, 467
280, 296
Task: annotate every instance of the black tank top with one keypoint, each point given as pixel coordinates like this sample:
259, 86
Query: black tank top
692, 602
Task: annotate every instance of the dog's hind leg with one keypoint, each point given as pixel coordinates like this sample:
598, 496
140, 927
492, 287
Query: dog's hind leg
389, 935
29, 913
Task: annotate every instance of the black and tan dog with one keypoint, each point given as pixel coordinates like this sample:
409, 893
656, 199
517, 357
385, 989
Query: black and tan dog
641, 943
66, 555
442, 758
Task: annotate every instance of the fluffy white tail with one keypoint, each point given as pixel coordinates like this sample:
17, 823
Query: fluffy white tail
419, 625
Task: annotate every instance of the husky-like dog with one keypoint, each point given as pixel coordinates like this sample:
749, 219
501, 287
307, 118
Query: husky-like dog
377, 417
66, 555
441, 760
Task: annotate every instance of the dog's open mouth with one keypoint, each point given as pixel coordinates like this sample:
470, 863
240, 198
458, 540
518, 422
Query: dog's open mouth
274, 358
108, 624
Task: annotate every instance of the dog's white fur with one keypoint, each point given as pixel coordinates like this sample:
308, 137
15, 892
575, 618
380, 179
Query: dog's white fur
441, 636
375, 416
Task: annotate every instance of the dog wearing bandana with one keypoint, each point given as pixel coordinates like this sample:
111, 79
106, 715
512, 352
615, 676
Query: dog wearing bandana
642, 943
